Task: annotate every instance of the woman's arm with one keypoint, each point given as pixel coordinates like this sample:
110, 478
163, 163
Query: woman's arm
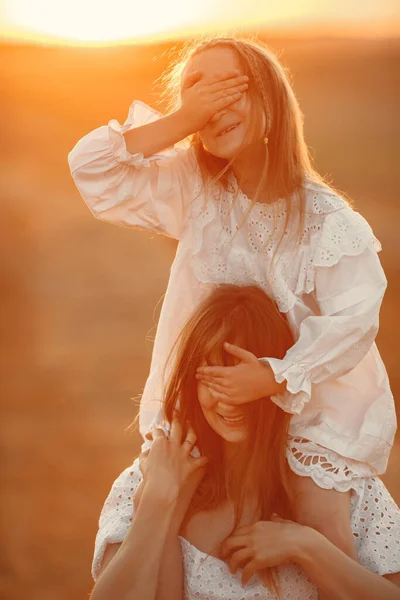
336, 575
133, 571
170, 576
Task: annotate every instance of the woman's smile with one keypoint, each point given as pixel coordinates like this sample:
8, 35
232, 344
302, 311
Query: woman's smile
237, 421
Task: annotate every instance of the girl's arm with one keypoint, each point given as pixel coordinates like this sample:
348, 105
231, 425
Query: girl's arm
348, 287
279, 541
133, 175
130, 190
333, 341
336, 575
133, 571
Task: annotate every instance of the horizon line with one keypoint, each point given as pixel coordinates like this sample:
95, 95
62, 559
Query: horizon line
298, 30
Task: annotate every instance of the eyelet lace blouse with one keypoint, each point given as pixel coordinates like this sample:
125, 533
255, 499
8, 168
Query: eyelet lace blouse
331, 291
375, 521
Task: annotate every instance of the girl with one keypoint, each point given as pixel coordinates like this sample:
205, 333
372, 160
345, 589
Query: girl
190, 499
247, 207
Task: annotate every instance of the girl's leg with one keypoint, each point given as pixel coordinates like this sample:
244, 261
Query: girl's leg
325, 505
327, 511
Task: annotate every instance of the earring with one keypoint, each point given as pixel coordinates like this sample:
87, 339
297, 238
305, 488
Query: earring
265, 140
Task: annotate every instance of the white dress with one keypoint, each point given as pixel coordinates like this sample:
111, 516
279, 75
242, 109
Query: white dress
375, 521
343, 420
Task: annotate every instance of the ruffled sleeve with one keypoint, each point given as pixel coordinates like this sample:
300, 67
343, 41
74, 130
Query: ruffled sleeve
349, 285
130, 190
117, 514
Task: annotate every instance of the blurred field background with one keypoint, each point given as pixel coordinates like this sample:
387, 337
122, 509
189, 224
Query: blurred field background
79, 296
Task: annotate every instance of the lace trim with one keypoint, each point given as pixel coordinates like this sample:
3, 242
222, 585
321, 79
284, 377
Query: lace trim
326, 468
375, 521
345, 233
331, 230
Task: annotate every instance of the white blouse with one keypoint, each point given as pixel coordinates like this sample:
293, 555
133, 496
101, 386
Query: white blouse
375, 522
331, 289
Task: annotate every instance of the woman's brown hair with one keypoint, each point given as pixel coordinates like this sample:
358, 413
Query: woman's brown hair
247, 317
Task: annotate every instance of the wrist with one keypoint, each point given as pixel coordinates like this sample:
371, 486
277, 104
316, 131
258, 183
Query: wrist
270, 386
163, 497
182, 123
306, 545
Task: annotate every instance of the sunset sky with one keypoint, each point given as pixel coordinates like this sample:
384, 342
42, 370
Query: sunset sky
93, 21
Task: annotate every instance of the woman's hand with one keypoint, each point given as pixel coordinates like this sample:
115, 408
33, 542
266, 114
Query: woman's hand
245, 382
203, 97
263, 544
167, 466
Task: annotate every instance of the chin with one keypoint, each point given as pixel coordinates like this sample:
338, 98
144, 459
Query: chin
236, 438
220, 151
232, 437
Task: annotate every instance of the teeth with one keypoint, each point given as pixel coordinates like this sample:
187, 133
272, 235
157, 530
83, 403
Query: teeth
232, 419
229, 129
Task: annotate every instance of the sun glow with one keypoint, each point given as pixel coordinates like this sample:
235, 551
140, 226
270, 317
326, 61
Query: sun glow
94, 21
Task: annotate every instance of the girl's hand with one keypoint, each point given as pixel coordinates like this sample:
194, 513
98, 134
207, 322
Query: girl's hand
264, 544
203, 97
167, 466
245, 382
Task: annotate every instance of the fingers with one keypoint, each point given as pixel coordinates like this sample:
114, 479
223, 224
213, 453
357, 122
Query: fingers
191, 78
279, 519
176, 429
215, 386
231, 94
243, 530
221, 397
230, 84
226, 100
158, 434
243, 355
218, 115
200, 462
240, 559
249, 570
233, 74
142, 460
214, 372
190, 440
233, 543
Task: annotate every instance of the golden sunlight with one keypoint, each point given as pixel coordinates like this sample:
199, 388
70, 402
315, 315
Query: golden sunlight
93, 21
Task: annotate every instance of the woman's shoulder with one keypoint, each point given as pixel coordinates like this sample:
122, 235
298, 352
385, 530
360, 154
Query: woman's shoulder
123, 487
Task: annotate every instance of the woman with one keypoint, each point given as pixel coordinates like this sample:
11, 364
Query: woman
200, 509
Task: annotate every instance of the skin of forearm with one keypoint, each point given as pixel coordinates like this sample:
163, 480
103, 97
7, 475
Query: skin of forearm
158, 135
170, 577
337, 576
133, 572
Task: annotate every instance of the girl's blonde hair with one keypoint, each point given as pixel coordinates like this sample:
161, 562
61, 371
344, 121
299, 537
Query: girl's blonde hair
287, 159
